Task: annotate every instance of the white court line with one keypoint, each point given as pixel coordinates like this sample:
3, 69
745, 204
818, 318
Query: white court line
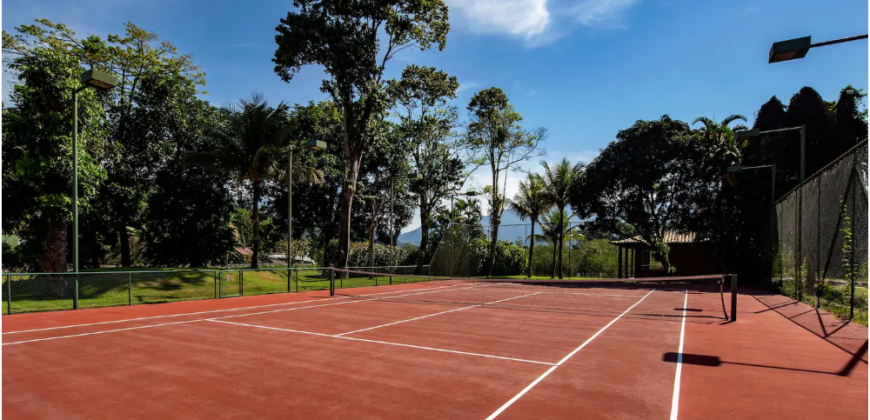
197, 320
675, 404
389, 343
205, 312
358, 300
565, 359
101, 332
431, 315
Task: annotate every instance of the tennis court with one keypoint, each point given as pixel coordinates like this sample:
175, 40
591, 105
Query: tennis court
436, 349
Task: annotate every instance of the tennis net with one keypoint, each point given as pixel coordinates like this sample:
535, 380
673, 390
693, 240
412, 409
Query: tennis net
696, 297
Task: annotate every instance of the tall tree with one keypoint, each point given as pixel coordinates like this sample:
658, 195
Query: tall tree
650, 178
558, 180
343, 38
530, 202
251, 149
495, 138
426, 123
137, 144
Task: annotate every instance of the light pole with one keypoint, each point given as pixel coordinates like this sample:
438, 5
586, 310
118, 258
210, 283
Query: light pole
310, 145
748, 134
103, 81
412, 177
798, 47
739, 169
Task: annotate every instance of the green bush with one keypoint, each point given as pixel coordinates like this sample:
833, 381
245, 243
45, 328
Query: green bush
510, 259
359, 255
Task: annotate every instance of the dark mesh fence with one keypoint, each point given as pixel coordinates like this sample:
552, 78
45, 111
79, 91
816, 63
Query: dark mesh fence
38, 292
822, 239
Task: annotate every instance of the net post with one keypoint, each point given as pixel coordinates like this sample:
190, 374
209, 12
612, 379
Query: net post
129, 288
331, 282
733, 279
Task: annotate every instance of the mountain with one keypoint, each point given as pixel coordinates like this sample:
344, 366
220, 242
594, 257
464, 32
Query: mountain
511, 229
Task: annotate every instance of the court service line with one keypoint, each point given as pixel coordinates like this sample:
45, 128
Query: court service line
197, 320
341, 303
675, 403
389, 343
565, 359
101, 332
206, 312
436, 314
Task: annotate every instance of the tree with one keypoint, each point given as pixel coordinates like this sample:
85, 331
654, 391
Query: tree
426, 124
38, 149
652, 178
496, 138
138, 141
531, 201
554, 224
558, 180
251, 150
343, 38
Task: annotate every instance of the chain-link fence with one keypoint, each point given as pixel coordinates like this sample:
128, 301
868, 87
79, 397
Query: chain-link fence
822, 238
37, 292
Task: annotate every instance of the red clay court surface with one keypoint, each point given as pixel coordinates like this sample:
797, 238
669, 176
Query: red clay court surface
311, 356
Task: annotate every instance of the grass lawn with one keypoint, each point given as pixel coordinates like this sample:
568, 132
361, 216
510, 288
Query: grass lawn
115, 287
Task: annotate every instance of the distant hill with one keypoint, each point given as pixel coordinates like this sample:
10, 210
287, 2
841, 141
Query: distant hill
508, 233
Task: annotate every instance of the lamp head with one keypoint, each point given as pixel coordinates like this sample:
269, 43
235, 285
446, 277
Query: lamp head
99, 79
314, 145
789, 50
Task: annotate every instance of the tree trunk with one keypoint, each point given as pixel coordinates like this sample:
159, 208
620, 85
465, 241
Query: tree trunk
124, 239
255, 221
531, 249
55, 246
372, 225
424, 224
553, 272
561, 239
345, 206
496, 221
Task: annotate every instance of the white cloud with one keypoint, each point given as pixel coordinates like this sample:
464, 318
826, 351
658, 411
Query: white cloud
597, 13
532, 93
463, 86
520, 18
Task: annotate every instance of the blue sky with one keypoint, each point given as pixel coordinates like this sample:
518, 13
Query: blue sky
583, 69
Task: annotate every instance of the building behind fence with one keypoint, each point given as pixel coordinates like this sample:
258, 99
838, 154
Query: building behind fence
822, 238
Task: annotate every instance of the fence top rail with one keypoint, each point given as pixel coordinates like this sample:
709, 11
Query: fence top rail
390, 266
862, 143
201, 270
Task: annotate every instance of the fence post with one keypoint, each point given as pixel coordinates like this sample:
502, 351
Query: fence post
289, 273
76, 293
241, 282
8, 295
129, 288
217, 279
220, 285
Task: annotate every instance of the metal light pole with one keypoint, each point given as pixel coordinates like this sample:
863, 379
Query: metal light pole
104, 81
310, 145
739, 169
798, 47
748, 134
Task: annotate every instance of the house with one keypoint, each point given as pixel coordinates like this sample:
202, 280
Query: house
689, 255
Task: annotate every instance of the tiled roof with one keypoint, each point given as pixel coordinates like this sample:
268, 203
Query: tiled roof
671, 237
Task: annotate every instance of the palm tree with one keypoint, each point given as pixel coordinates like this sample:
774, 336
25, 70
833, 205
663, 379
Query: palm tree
558, 181
531, 201
554, 225
251, 150
724, 138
